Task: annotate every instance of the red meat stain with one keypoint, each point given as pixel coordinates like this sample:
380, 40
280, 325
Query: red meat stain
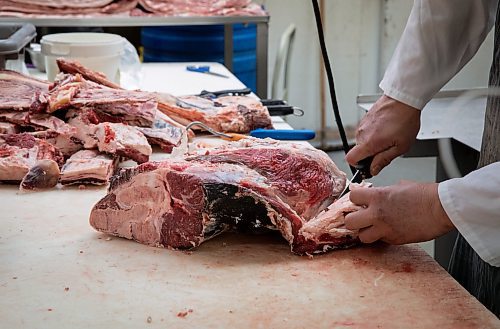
183, 314
359, 261
408, 268
109, 134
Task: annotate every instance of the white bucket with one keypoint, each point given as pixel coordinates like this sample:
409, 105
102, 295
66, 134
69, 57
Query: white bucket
98, 51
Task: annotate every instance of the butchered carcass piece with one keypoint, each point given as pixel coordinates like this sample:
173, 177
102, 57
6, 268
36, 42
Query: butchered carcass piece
203, 8
8, 128
180, 204
29, 9
116, 105
88, 167
74, 67
230, 114
44, 174
20, 152
165, 132
21, 92
122, 140
132, 107
306, 178
239, 114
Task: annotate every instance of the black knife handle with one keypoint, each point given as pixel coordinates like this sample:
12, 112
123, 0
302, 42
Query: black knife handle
364, 167
275, 110
270, 102
228, 92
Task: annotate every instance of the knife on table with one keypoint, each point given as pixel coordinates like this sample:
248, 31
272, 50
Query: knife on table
362, 172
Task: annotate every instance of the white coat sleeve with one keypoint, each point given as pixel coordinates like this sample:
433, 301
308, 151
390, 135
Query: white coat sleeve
473, 205
439, 39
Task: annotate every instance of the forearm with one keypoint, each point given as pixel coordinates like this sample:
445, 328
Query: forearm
473, 205
439, 39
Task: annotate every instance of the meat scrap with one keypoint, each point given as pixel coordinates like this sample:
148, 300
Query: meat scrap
20, 152
122, 140
44, 174
88, 167
239, 114
165, 132
8, 128
21, 92
180, 203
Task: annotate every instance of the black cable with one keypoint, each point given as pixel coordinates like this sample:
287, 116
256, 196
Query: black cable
329, 75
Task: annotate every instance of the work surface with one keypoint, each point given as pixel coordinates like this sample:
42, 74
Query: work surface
57, 272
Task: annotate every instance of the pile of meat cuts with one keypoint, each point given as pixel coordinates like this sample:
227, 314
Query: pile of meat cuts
247, 185
34, 8
78, 128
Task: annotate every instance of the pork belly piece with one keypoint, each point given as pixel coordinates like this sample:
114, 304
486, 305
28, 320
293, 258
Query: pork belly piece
88, 167
8, 128
20, 152
239, 114
21, 92
306, 178
44, 174
122, 140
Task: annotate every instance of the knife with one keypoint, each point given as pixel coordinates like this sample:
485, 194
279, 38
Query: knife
362, 172
227, 92
280, 110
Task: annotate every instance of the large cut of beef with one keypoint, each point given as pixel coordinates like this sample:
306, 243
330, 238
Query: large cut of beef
181, 203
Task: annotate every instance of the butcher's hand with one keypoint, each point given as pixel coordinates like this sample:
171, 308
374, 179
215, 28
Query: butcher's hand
385, 132
404, 213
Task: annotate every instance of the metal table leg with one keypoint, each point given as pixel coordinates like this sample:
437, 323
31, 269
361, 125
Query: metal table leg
262, 44
228, 46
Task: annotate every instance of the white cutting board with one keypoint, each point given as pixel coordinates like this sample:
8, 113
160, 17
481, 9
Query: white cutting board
57, 272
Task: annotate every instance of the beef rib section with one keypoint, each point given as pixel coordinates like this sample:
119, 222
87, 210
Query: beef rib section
180, 203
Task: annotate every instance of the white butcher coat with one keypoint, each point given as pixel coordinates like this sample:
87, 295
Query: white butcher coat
439, 39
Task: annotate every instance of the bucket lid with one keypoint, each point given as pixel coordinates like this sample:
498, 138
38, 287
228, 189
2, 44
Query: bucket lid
82, 44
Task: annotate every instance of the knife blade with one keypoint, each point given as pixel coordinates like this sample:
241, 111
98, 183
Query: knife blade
362, 173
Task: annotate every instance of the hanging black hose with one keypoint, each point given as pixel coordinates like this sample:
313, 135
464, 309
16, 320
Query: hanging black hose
329, 75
